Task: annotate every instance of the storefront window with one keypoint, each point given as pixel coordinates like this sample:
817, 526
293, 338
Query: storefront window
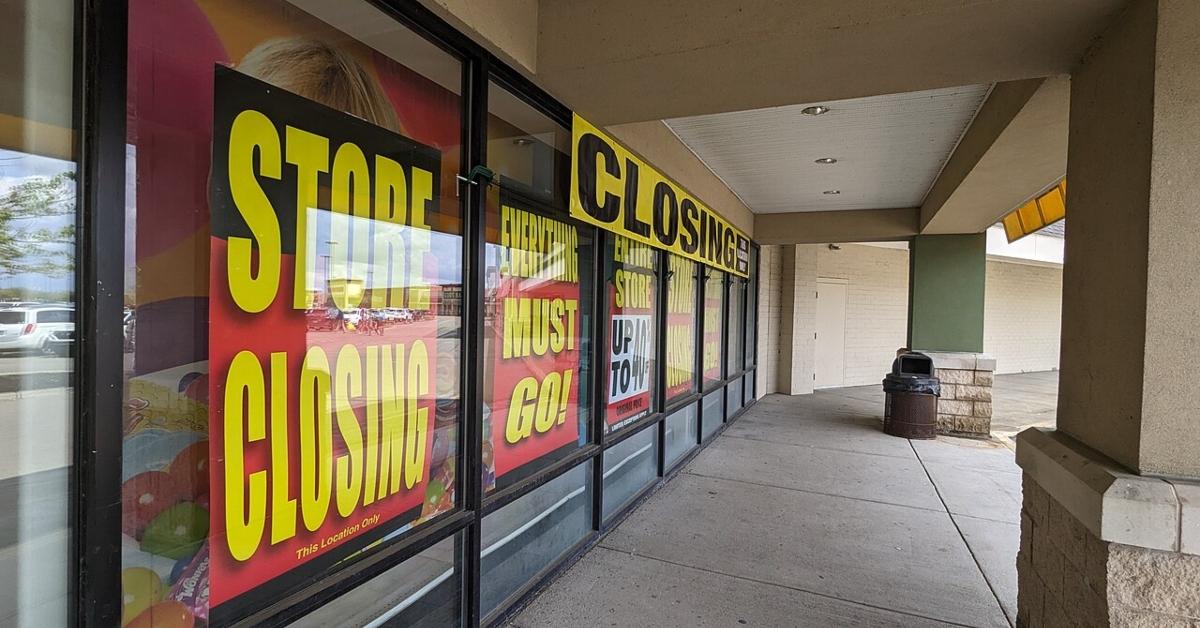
424, 590
733, 397
711, 413
293, 296
537, 382
714, 302
681, 327
629, 466
737, 324
681, 435
532, 533
37, 313
631, 268
527, 148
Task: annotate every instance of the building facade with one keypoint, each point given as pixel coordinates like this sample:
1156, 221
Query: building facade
329, 316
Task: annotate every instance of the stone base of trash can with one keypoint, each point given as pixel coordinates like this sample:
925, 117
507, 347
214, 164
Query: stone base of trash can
911, 415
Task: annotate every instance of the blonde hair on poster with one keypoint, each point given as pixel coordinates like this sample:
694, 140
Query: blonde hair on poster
323, 73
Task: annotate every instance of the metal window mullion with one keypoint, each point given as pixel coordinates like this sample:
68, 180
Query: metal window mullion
599, 351
95, 491
699, 280
660, 352
475, 89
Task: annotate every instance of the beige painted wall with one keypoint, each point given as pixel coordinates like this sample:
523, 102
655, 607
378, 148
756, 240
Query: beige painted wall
863, 225
1022, 316
508, 28
1104, 272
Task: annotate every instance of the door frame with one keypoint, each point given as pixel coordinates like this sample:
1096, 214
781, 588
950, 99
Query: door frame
845, 308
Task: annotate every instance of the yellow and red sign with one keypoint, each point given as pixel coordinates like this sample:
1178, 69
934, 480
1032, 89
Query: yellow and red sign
322, 410
535, 340
681, 326
616, 190
710, 356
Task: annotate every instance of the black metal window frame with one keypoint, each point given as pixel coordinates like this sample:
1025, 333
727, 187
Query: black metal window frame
95, 509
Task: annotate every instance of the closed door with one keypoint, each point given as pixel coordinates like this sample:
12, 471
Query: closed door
830, 366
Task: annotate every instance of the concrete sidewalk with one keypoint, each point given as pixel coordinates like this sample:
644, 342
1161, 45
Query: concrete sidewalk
803, 513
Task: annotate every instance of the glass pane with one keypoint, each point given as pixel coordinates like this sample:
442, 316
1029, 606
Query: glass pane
527, 148
537, 384
681, 434
629, 466
681, 326
750, 393
714, 301
711, 416
37, 279
737, 294
733, 397
529, 535
421, 591
294, 284
632, 271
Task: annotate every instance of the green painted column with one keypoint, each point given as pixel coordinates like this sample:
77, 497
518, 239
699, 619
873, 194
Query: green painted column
946, 278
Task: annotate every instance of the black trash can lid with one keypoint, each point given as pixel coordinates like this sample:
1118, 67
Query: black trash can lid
913, 363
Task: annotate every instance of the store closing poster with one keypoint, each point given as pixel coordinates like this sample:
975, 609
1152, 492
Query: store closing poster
534, 344
711, 350
228, 333
681, 326
630, 333
317, 436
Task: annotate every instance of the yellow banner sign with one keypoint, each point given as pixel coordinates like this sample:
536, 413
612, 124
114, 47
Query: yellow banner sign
616, 190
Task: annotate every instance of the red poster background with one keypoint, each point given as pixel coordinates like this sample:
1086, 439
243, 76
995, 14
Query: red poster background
712, 307
280, 328
509, 372
685, 320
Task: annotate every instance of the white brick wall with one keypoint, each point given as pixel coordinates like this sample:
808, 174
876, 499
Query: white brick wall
876, 306
770, 261
1021, 325
1022, 316
804, 318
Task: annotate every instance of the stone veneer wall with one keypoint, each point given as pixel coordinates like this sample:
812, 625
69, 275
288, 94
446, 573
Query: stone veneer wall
965, 407
1067, 577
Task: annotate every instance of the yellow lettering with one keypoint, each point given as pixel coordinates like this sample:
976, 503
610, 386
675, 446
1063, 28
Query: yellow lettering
348, 466
253, 132
244, 519
310, 154
316, 439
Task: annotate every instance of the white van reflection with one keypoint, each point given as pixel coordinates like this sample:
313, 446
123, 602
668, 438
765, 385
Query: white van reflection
47, 328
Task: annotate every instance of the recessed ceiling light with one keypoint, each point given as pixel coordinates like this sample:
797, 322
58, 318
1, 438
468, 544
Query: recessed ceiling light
815, 110
523, 141
831, 192
826, 160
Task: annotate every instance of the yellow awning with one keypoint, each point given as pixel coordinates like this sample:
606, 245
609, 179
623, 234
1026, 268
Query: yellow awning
1047, 208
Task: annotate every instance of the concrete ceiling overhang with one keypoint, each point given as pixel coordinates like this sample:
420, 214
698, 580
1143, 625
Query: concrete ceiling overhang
1015, 148
861, 225
620, 61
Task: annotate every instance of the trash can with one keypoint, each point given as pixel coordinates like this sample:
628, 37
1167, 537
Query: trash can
911, 394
